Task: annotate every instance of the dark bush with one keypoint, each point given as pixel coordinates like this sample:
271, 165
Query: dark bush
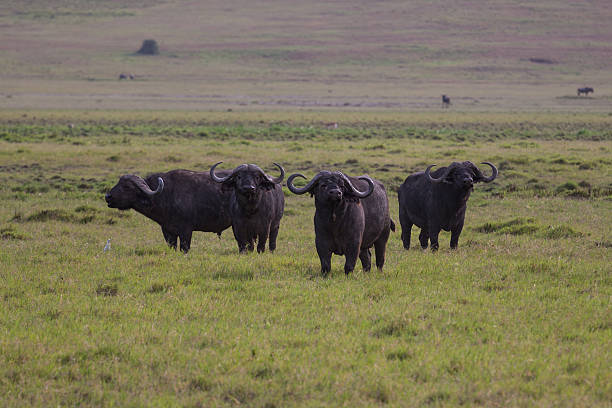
149, 47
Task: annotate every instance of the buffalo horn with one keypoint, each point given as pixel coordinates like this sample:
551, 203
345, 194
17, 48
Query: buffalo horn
276, 180
493, 176
147, 190
222, 179
360, 194
434, 180
307, 187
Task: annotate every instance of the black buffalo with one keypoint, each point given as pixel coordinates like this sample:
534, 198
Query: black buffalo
256, 205
586, 90
181, 201
351, 216
438, 201
446, 101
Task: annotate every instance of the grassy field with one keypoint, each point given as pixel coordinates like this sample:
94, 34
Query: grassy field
518, 316
347, 54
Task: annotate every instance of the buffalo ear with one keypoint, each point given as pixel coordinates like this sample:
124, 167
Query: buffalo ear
267, 185
145, 201
478, 176
348, 196
229, 183
448, 177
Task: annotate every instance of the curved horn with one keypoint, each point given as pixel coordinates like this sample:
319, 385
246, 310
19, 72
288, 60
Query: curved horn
493, 176
144, 187
280, 178
276, 180
433, 180
441, 178
217, 178
222, 179
360, 194
306, 188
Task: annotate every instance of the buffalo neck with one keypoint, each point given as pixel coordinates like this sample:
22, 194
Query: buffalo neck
455, 199
248, 205
334, 211
150, 210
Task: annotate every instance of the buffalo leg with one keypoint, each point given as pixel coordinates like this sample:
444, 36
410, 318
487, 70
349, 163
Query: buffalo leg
350, 261
423, 237
455, 236
170, 238
366, 259
433, 238
273, 235
351, 253
406, 230
185, 237
244, 242
325, 257
262, 237
380, 247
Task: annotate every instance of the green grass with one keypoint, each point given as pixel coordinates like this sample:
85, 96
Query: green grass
519, 315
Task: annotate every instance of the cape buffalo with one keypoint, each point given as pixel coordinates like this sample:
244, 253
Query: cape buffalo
586, 90
351, 216
256, 205
181, 201
438, 201
446, 101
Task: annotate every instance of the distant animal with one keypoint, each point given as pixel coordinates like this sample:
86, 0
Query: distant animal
123, 76
256, 205
446, 101
180, 201
332, 125
107, 247
586, 90
131, 76
351, 216
438, 201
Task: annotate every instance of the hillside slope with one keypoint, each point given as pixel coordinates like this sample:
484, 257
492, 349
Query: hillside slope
392, 54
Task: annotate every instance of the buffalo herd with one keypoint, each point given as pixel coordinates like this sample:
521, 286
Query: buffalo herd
351, 213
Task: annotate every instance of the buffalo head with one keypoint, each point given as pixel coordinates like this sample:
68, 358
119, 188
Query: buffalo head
331, 187
461, 175
132, 192
248, 180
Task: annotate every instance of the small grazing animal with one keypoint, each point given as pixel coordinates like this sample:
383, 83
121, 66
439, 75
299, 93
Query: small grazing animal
446, 101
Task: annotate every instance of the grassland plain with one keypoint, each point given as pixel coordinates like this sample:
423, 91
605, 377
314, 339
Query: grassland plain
519, 315
289, 54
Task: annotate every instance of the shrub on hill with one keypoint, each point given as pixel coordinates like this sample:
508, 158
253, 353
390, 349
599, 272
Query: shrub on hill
149, 47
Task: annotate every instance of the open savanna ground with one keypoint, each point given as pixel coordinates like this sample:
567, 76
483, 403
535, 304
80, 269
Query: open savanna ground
519, 315
345, 54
